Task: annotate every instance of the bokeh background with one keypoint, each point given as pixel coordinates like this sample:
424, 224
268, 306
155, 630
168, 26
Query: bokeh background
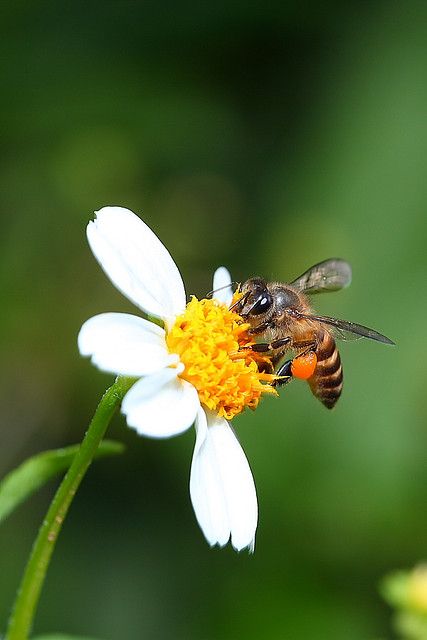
262, 137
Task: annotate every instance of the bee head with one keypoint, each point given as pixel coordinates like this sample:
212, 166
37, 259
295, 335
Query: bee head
256, 299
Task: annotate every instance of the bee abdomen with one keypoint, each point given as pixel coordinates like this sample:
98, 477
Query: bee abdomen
327, 380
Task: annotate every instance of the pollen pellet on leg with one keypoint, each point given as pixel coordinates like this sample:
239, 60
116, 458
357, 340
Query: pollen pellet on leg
304, 366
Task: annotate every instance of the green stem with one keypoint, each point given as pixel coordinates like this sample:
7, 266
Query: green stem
20, 621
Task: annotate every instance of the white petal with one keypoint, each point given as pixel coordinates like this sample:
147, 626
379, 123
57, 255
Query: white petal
222, 286
136, 262
221, 485
124, 344
161, 405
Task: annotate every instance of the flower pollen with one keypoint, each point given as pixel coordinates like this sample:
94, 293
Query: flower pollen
214, 346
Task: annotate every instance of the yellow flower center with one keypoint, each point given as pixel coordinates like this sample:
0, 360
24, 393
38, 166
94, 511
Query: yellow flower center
214, 345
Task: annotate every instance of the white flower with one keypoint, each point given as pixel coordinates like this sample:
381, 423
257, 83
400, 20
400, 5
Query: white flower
163, 402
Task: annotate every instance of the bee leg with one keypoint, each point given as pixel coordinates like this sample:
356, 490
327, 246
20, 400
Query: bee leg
260, 328
263, 347
285, 373
266, 367
306, 346
285, 370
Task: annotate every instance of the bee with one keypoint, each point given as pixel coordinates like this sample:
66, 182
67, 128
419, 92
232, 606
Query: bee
280, 316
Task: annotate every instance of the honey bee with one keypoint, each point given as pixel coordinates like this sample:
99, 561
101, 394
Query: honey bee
280, 315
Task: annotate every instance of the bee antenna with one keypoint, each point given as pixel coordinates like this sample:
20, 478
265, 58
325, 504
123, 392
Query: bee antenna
242, 300
226, 286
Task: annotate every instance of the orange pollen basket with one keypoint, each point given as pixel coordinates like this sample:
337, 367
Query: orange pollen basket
214, 346
304, 366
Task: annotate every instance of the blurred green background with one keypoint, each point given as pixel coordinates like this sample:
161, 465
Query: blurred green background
265, 138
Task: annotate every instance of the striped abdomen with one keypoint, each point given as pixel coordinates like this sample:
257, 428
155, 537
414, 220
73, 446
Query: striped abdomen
326, 382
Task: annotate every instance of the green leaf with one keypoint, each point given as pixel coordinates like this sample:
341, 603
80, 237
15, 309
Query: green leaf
32, 474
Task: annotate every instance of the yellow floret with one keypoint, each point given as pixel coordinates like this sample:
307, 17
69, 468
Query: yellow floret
214, 345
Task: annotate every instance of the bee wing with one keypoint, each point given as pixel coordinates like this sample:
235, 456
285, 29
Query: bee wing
349, 330
329, 275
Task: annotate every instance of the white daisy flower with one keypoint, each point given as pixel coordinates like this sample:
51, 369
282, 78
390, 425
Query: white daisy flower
192, 371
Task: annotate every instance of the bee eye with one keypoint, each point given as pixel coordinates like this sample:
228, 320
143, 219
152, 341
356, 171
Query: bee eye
262, 305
